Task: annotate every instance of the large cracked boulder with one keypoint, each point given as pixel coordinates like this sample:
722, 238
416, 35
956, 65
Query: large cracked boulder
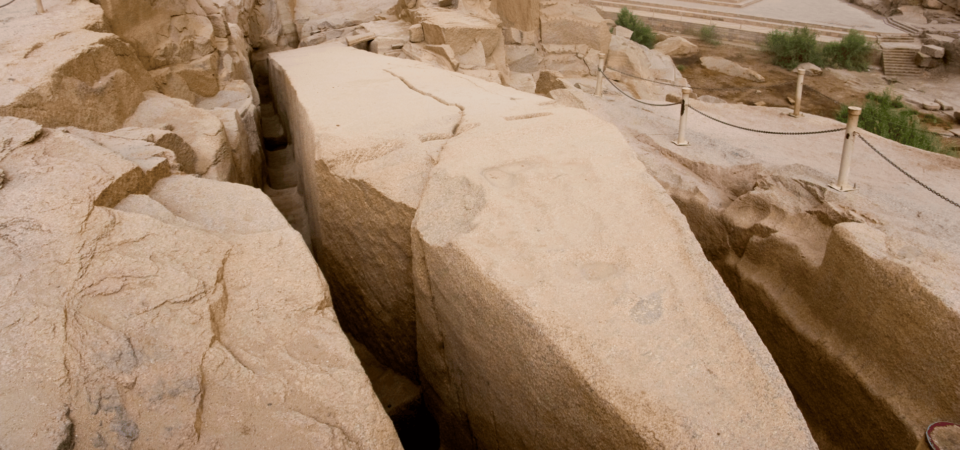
542, 315
60, 70
170, 313
573, 23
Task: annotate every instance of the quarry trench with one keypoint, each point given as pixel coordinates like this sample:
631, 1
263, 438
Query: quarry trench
399, 389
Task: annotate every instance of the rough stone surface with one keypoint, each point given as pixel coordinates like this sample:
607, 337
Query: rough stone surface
628, 59
573, 23
853, 293
58, 71
810, 69
163, 32
192, 317
730, 68
461, 32
933, 50
676, 47
516, 224
200, 129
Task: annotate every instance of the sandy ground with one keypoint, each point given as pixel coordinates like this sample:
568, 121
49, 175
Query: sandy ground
841, 85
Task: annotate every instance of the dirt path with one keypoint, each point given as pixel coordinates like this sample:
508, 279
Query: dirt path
840, 85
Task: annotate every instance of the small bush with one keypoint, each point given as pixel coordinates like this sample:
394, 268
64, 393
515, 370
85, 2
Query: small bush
851, 53
681, 67
800, 46
885, 115
642, 34
791, 49
709, 35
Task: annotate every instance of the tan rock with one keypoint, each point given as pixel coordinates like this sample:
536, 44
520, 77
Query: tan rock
625, 33
16, 133
523, 58
474, 58
810, 69
573, 98
677, 47
199, 128
730, 68
58, 73
514, 227
398, 147
566, 63
633, 63
521, 82
192, 317
572, 23
522, 15
156, 162
461, 32
491, 76
445, 53
189, 80
549, 81
163, 33
416, 33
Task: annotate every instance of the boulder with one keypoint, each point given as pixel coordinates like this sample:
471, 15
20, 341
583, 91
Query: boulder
186, 158
163, 32
810, 69
523, 58
629, 61
730, 68
500, 208
569, 64
199, 128
931, 106
573, 98
189, 317
59, 73
625, 33
676, 47
416, 33
521, 82
521, 15
461, 32
933, 50
189, 80
473, 58
926, 61
573, 23
549, 81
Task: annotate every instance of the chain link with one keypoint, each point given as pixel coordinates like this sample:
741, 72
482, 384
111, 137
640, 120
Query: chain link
634, 99
782, 133
865, 141
7, 3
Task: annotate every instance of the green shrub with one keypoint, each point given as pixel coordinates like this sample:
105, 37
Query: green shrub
792, 48
642, 34
851, 53
789, 49
885, 115
709, 35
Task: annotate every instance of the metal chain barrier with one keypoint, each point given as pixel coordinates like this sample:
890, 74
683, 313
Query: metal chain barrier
782, 133
635, 99
865, 141
7, 3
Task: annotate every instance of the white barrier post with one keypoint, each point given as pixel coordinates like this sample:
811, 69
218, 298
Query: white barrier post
681, 136
40, 7
796, 106
603, 64
843, 180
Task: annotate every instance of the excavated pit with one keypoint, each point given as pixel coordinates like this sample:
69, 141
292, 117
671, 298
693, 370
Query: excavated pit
436, 204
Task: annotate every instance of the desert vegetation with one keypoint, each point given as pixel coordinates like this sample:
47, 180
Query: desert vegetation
800, 45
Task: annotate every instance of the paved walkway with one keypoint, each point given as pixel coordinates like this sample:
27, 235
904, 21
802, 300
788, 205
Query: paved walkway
824, 12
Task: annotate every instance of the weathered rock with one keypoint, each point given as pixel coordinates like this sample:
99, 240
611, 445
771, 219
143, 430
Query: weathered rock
926, 61
521, 15
367, 257
165, 32
514, 227
573, 23
931, 106
419, 52
199, 128
416, 33
445, 53
676, 47
491, 76
625, 33
156, 162
474, 58
566, 63
17, 132
569, 97
810, 69
189, 80
523, 58
850, 294
521, 82
186, 158
933, 50
730, 68
58, 73
461, 32
549, 81
191, 317
628, 60
711, 99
